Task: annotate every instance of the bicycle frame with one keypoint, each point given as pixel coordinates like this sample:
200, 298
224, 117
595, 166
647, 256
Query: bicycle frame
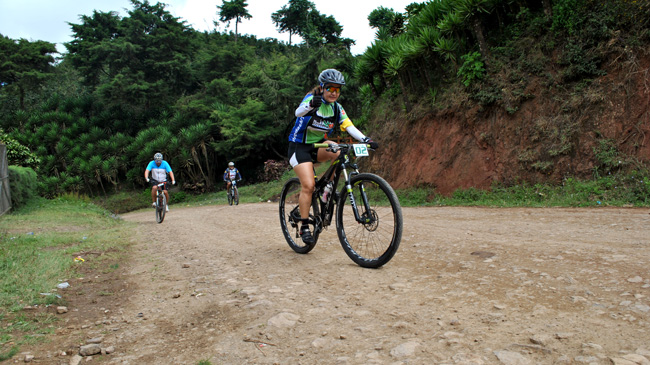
341, 164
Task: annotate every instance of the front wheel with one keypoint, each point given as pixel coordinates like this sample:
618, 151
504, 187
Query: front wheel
236, 196
372, 241
161, 205
229, 191
290, 217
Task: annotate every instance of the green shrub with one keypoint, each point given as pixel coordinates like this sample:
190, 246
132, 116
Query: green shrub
472, 69
22, 183
17, 154
608, 158
567, 16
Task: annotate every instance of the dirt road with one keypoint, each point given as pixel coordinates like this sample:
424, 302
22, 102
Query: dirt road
467, 286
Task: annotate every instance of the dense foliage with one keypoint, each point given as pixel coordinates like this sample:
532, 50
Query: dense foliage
22, 184
146, 82
135, 85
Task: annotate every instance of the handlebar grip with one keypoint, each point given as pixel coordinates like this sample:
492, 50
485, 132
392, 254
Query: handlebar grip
321, 145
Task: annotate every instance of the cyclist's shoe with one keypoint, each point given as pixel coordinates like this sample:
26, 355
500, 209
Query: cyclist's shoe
153, 205
306, 236
166, 208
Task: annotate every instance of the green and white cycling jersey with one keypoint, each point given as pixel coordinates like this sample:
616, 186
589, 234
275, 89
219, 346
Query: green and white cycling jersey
313, 126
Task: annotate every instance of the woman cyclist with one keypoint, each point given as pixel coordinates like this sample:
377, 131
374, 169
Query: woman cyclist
316, 117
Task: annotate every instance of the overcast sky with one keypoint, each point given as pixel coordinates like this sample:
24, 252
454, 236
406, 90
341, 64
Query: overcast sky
47, 20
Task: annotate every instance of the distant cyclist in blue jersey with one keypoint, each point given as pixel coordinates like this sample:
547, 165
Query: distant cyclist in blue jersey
316, 117
231, 173
159, 169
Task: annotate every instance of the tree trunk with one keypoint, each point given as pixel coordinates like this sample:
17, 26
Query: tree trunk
548, 9
482, 44
208, 181
198, 163
21, 93
404, 94
236, 32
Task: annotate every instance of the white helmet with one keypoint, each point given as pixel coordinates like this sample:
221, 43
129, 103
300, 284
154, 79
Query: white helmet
231, 164
158, 156
331, 76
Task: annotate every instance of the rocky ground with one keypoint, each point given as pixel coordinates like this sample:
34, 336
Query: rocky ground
467, 286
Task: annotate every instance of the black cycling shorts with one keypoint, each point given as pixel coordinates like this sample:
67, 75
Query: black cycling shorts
302, 152
154, 182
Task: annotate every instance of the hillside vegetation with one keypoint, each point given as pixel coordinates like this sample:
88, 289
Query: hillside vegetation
460, 93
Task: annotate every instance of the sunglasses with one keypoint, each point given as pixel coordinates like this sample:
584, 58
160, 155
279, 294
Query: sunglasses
333, 89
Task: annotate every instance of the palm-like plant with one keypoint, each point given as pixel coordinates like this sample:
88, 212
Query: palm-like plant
448, 49
196, 140
371, 65
395, 64
470, 11
451, 23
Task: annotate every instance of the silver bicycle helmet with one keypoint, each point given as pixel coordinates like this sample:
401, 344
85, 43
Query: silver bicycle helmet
331, 76
231, 164
157, 156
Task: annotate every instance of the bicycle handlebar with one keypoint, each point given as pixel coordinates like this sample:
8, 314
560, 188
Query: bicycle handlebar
337, 146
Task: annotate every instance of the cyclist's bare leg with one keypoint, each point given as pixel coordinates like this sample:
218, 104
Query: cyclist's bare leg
305, 173
326, 156
153, 193
166, 195
228, 183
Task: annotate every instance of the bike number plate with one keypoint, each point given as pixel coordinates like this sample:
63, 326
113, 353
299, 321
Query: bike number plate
361, 150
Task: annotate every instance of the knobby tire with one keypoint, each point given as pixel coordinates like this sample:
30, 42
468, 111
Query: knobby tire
373, 244
161, 204
290, 226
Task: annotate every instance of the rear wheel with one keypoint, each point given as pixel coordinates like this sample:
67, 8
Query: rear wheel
373, 241
161, 205
290, 217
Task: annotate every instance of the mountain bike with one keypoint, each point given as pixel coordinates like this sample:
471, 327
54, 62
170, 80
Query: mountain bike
161, 201
368, 213
233, 193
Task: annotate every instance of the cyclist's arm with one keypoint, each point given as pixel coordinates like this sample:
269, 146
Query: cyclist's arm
147, 170
171, 174
304, 107
355, 133
346, 125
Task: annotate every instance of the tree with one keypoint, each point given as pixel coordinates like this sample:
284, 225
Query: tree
322, 29
470, 10
24, 65
141, 62
235, 9
385, 19
89, 50
381, 17
293, 19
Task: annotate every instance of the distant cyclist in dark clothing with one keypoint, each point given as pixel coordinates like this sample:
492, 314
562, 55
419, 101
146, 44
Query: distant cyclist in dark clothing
231, 173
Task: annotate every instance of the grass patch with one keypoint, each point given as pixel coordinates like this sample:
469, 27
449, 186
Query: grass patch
614, 190
38, 244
